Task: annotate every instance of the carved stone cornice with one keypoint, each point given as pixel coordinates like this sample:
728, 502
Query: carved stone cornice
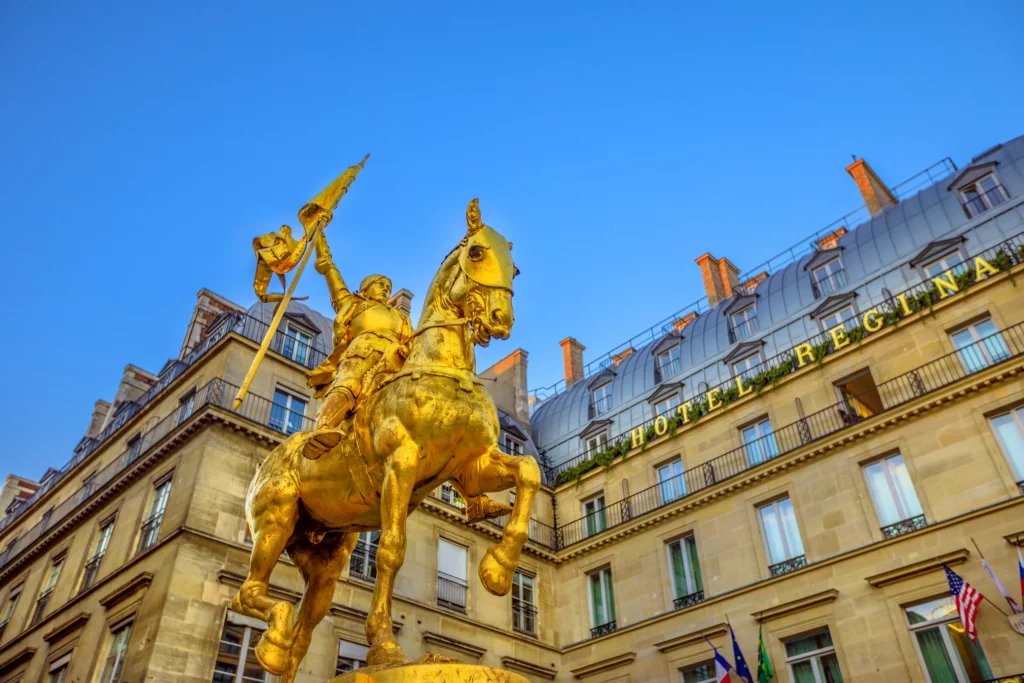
22, 656
136, 583
432, 638
69, 626
798, 605
604, 665
693, 637
528, 667
917, 568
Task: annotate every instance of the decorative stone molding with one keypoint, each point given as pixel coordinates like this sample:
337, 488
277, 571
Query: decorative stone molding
716, 631
137, 583
917, 568
22, 656
432, 638
74, 623
528, 667
604, 665
798, 605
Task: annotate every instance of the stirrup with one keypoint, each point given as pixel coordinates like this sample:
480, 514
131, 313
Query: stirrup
320, 441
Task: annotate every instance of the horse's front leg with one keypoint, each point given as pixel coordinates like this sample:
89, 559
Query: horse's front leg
495, 471
399, 477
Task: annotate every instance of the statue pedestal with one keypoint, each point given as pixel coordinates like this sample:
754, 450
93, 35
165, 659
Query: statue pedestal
433, 673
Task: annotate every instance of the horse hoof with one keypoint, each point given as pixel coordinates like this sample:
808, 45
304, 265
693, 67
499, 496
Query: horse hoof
389, 654
273, 658
493, 575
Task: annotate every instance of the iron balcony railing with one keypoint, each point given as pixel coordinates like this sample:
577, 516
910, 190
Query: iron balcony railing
829, 284
741, 330
787, 566
149, 532
1010, 252
603, 629
451, 593
980, 202
539, 532
688, 600
363, 562
931, 376
937, 171
240, 323
524, 617
42, 602
904, 526
89, 573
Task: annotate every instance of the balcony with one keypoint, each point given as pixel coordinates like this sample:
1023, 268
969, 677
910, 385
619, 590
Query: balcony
603, 630
362, 564
787, 566
89, 573
451, 593
904, 527
524, 618
688, 600
148, 534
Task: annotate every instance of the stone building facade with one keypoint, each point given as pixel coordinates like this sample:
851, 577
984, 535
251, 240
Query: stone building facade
799, 454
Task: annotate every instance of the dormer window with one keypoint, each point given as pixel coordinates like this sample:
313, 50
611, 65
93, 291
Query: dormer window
981, 195
510, 444
828, 278
601, 398
297, 344
743, 368
667, 407
953, 262
743, 323
597, 443
668, 362
840, 317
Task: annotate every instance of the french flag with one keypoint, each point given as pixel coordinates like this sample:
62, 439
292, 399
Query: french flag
1020, 563
722, 668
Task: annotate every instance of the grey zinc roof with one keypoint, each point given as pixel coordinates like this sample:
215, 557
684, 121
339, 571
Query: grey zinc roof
874, 255
321, 342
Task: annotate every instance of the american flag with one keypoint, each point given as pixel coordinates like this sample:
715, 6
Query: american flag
967, 601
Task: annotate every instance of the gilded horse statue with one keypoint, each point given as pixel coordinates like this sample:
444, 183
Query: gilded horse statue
430, 422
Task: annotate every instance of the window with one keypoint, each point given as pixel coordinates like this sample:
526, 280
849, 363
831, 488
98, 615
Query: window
45, 522
297, 344
667, 407
685, 569
236, 657
363, 562
351, 656
47, 589
781, 536
92, 565
812, 659
668, 362
451, 496
828, 278
980, 345
982, 195
744, 368
451, 576
945, 649
134, 447
596, 444
672, 484
743, 323
953, 262
595, 519
602, 602
511, 445
151, 525
701, 673
859, 396
186, 404
1009, 429
9, 606
843, 315
524, 606
894, 497
287, 412
759, 442
59, 669
602, 398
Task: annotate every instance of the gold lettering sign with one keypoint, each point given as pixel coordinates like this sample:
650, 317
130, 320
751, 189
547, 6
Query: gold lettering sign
660, 425
713, 401
804, 354
638, 437
684, 410
739, 385
839, 338
983, 269
946, 284
873, 321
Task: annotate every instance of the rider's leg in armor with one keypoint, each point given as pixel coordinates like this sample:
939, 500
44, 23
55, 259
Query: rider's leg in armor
338, 403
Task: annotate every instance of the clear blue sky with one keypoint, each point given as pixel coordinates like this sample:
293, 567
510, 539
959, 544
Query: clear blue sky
144, 145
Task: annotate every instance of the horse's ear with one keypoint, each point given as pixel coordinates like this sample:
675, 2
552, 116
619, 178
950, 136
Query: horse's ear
473, 221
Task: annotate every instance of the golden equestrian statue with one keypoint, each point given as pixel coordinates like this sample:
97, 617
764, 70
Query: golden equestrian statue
421, 418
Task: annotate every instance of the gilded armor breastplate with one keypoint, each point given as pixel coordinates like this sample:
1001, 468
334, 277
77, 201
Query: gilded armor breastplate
377, 318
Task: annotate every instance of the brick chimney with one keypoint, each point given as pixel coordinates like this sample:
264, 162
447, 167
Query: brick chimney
876, 195
572, 359
752, 282
402, 300
721, 277
208, 306
831, 240
508, 388
623, 355
100, 412
681, 323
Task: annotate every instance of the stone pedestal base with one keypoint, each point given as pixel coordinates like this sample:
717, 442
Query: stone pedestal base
430, 673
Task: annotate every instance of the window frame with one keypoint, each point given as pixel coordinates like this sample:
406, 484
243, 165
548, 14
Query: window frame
892, 487
814, 656
245, 646
944, 265
10, 606
746, 319
833, 277
184, 413
596, 443
604, 581
775, 503
48, 585
676, 481
950, 648
104, 531
672, 366
605, 398
364, 556
673, 402
981, 195
296, 343
527, 618
751, 362
759, 442
160, 494
506, 438
1016, 415
349, 647
694, 668
978, 342
689, 575
598, 515
825, 318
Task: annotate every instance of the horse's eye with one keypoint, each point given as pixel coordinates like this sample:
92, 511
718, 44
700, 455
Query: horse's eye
476, 252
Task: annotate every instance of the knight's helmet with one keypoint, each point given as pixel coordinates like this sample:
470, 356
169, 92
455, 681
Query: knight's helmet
487, 258
370, 279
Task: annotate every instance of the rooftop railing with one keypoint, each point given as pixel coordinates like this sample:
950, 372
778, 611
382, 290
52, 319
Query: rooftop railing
893, 393
937, 171
1005, 255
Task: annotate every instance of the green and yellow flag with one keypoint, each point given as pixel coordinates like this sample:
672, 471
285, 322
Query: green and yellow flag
764, 665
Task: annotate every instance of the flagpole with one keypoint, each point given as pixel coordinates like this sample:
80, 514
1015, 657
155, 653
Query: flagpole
985, 596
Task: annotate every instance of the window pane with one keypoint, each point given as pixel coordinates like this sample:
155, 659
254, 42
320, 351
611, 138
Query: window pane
936, 658
691, 555
803, 672
941, 608
1012, 441
808, 643
451, 559
703, 673
609, 593
597, 599
773, 534
885, 504
830, 667
796, 547
904, 489
971, 656
679, 582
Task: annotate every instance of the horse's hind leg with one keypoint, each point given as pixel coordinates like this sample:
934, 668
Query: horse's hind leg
495, 471
320, 566
272, 510
396, 490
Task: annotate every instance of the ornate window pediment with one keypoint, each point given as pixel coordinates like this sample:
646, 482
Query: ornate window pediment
833, 304
739, 302
742, 350
303, 321
936, 250
822, 257
666, 343
970, 174
595, 427
601, 378
665, 391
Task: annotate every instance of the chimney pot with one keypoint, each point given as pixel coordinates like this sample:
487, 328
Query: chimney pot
402, 300
721, 277
831, 240
572, 359
875, 193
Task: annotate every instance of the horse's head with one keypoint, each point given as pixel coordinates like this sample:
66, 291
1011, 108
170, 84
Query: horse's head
485, 258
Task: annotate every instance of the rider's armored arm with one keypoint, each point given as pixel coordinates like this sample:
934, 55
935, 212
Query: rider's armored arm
325, 266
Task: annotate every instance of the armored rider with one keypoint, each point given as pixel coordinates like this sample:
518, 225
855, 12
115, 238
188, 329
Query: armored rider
367, 330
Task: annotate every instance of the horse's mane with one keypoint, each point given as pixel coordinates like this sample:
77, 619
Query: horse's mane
439, 286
